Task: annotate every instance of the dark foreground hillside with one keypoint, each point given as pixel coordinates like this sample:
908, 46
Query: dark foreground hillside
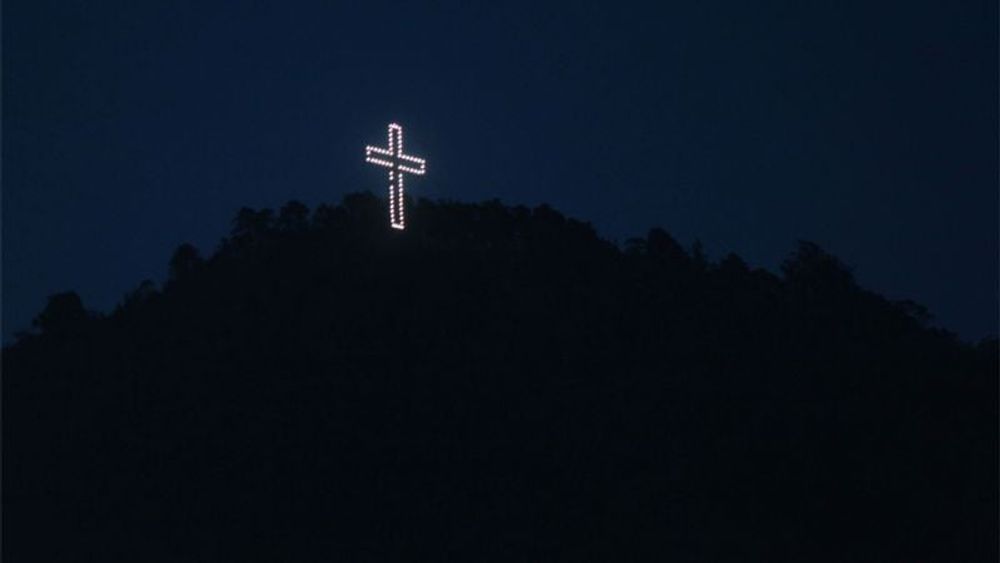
494, 384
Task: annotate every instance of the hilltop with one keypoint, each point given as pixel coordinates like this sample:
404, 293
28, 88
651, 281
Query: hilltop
494, 383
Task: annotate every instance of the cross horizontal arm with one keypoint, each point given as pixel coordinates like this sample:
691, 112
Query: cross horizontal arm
403, 162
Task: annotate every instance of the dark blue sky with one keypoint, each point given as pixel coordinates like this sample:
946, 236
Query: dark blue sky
869, 127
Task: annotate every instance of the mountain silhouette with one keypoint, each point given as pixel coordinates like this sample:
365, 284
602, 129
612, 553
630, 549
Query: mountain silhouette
494, 384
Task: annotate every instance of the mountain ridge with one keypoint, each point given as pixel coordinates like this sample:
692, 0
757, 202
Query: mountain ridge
495, 383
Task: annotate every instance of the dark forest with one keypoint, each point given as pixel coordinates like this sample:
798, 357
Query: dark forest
495, 383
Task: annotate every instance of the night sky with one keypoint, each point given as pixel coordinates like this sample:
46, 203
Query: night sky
868, 127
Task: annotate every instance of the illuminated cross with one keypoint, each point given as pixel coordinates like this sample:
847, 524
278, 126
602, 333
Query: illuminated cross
397, 163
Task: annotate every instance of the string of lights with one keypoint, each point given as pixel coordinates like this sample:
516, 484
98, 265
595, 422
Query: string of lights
398, 163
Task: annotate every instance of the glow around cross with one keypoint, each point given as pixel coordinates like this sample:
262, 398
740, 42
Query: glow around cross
398, 164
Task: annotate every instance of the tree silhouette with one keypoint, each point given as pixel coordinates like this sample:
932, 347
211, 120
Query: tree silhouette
812, 267
251, 227
293, 217
140, 295
184, 263
63, 315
